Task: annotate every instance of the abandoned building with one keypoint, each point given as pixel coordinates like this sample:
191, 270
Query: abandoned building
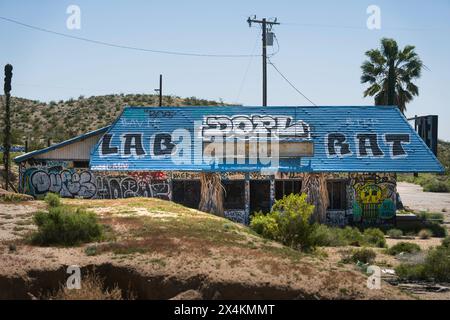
238, 160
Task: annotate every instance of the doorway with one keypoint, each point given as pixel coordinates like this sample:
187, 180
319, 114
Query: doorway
259, 196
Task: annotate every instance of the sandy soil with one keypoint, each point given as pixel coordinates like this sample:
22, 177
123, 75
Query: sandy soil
415, 198
16, 219
177, 246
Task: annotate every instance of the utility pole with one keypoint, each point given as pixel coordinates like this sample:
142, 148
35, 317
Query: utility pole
7, 132
160, 90
266, 26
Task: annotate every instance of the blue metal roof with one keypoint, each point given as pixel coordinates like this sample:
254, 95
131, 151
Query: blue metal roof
345, 139
34, 153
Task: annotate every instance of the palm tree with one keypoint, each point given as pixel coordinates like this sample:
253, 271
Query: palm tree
390, 73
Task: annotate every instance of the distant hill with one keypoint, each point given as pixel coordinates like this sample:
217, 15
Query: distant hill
58, 121
444, 154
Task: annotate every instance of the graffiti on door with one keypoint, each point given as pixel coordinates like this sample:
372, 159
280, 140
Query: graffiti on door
375, 197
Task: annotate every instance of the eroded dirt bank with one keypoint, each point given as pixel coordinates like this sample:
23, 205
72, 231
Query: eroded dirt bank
159, 250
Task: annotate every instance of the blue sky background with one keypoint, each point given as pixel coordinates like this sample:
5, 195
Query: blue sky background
322, 45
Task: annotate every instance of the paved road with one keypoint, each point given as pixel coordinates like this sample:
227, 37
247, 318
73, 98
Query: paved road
414, 197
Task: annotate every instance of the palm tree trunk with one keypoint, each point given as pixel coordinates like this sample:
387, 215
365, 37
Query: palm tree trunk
391, 84
211, 194
315, 186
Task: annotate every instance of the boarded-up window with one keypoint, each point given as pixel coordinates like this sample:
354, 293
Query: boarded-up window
337, 195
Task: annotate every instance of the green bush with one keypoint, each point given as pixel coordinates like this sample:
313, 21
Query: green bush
374, 237
434, 217
406, 247
288, 222
435, 268
446, 242
436, 186
65, 226
425, 234
265, 225
352, 236
363, 255
52, 199
411, 271
437, 230
395, 233
325, 236
437, 264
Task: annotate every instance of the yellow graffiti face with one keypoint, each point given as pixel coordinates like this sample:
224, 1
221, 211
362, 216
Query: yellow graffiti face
371, 194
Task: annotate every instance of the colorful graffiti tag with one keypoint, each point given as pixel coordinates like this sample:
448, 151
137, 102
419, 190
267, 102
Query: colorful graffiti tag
374, 198
59, 178
114, 187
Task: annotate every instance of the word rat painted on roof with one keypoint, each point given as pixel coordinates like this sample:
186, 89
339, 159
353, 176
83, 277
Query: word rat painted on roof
367, 145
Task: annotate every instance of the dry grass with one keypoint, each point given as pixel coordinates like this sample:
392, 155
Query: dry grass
92, 288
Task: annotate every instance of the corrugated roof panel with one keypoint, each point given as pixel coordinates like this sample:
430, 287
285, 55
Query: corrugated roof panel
77, 148
345, 139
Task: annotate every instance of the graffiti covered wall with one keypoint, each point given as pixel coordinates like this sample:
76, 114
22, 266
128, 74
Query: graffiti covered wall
371, 198
374, 198
38, 178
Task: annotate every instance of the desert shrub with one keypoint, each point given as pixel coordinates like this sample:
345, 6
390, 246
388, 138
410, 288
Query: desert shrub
430, 182
414, 228
52, 199
437, 264
406, 247
65, 226
288, 222
363, 255
435, 268
446, 242
374, 237
325, 236
395, 233
437, 230
436, 186
14, 197
431, 216
265, 225
410, 271
352, 236
425, 234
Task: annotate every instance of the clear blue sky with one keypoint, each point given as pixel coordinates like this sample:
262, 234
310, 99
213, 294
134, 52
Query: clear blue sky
322, 45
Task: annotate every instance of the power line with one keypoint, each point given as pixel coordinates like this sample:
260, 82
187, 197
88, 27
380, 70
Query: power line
354, 27
290, 83
246, 71
120, 46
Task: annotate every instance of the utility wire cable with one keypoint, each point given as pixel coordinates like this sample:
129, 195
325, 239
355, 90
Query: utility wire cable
114, 45
250, 60
290, 83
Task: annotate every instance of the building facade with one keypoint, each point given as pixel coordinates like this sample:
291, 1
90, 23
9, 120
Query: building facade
260, 153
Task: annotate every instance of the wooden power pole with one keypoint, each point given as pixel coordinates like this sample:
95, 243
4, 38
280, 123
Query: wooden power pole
7, 132
265, 24
160, 90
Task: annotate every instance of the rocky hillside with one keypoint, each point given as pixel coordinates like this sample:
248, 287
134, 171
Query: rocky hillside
61, 120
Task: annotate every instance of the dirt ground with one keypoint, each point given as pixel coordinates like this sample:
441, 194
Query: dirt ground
415, 198
186, 250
